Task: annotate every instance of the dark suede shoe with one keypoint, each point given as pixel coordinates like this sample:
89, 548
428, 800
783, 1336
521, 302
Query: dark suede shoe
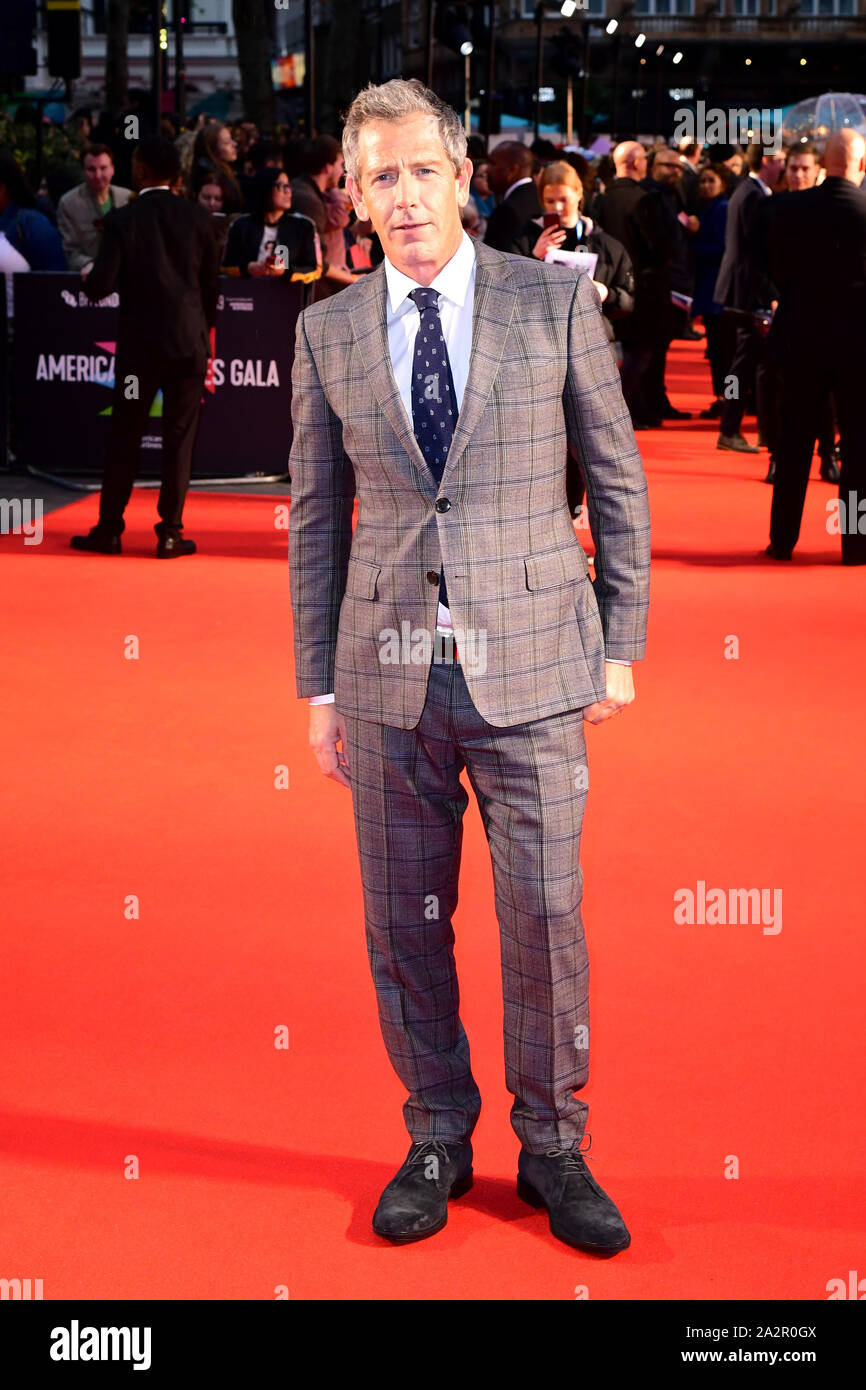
581, 1214
774, 553
98, 542
415, 1202
171, 544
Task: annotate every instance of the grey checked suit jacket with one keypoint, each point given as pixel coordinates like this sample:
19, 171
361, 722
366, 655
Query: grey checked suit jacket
541, 375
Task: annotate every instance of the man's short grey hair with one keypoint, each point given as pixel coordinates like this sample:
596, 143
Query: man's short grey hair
393, 101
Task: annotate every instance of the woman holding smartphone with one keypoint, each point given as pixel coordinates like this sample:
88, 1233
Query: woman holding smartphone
563, 227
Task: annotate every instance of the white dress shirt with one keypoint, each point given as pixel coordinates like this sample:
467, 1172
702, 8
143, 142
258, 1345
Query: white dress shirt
456, 285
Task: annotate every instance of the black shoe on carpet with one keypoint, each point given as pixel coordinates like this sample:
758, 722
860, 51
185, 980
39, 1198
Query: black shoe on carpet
414, 1205
169, 546
98, 542
580, 1213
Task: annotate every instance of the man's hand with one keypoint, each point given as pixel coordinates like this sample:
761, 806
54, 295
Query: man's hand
327, 729
619, 684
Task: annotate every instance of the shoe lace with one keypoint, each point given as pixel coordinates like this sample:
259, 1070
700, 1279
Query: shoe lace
572, 1157
424, 1147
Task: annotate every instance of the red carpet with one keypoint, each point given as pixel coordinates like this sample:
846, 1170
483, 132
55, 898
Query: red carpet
259, 1167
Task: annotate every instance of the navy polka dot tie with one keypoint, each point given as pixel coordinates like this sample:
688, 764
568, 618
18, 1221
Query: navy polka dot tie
434, 400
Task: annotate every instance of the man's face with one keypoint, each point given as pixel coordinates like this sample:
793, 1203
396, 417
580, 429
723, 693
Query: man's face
667, 169
801, 171
409, 191
772, 170
98, 173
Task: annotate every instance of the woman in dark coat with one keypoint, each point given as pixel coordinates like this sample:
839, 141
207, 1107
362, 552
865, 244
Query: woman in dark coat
271, 240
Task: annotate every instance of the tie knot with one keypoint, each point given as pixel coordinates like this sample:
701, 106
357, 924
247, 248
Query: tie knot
424, 299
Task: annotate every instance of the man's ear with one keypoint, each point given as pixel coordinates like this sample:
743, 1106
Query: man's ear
464, 178
357, 197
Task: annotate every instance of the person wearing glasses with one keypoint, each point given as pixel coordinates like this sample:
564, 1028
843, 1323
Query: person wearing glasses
270, 240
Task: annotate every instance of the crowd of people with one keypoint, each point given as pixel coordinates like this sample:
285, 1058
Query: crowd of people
676, 237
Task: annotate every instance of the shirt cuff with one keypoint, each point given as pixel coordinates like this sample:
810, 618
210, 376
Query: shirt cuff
614, 661
321, 699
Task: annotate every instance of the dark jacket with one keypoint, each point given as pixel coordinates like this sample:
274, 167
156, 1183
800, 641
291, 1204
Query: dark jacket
742, 281
294, 231
709, 250
817, 252
682, 267
33, 237
506, 226
160, 253
613, 268
639, 220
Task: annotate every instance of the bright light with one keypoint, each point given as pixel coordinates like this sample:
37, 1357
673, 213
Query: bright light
466, 48
568, 8
660, 50
643, 60
611, 26
678, 57
640, 41
748, 62
802, 62
163, 38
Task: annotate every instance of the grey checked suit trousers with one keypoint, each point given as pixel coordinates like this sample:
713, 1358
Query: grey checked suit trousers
530, 782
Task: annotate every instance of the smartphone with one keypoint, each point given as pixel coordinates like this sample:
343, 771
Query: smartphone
551, 219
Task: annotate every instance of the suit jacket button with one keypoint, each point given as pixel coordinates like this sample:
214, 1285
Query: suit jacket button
432, 577
442, 504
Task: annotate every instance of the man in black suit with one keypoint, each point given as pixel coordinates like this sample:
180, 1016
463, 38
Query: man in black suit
743, 284
817, 244
509, 174
161, 254
638, 218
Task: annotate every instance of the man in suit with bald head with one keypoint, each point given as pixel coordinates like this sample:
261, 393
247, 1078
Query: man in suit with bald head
458, 628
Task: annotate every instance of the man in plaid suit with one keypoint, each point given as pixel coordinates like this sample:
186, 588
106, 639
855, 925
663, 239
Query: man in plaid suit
458, 627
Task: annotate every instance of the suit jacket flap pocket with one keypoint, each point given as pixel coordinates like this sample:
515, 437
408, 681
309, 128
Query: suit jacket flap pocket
554, 567
361, 579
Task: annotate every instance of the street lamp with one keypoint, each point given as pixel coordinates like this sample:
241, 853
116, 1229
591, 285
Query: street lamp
566, 9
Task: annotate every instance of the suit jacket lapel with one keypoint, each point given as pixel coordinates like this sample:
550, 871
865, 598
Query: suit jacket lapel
492, 311
369, 326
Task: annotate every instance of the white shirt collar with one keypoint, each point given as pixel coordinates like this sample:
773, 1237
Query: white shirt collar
452, 280
758, 179
516, 184
154, 188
